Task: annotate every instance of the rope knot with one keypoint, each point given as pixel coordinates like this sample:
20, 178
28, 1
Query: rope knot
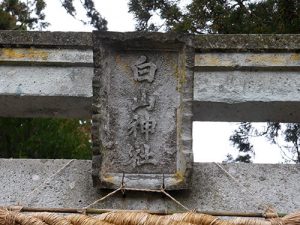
270, 213
272, 216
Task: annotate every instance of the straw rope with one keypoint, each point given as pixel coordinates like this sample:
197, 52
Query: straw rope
136, 218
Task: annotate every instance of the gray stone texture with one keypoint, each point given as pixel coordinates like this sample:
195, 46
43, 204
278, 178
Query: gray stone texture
44, 39
247, 86
246, 60
247, 42
46, 81
243, 187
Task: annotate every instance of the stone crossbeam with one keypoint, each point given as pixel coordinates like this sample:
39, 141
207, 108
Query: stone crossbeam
247, 86
236, 77
236, 187
45, 74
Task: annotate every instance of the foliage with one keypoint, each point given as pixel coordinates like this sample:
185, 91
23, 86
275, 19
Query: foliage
292, 135
143, 10
96, 20
23, 15
44, 138
240, 140
218, 16
275, 133
17, 15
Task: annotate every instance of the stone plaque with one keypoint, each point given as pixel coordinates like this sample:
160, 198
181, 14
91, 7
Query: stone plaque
142, 115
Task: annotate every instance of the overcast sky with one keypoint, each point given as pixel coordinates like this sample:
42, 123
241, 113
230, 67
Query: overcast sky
115, 12
210, 140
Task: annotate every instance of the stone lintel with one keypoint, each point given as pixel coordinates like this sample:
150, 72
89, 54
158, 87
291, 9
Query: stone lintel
42, 39
247, 42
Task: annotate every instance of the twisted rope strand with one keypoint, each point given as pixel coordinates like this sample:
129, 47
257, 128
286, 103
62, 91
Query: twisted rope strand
136, 218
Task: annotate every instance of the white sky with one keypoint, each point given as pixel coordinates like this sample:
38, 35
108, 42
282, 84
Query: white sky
211, 143
211, 140
115, 12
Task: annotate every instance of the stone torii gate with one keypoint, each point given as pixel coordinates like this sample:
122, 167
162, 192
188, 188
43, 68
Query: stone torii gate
142, 91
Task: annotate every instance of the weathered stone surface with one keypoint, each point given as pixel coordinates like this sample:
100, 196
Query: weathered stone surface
46, 57
46, 182
46, 39
263, 61
246, 42
61, 183
46, 81
247, 86
143, 99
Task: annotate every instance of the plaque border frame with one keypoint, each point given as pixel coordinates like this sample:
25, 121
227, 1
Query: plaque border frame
104, 44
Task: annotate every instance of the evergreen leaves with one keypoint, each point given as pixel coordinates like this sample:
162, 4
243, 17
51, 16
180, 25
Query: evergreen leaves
95, 18
218, 16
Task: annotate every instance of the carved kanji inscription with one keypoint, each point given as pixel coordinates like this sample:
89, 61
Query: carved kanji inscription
143, 70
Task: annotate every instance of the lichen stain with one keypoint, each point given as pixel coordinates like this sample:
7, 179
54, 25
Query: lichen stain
109, 179
179, 176
265, 59
295, 57
212, 60
124, 66
209, 60
257, 59
30, 53
180, 72
121, 63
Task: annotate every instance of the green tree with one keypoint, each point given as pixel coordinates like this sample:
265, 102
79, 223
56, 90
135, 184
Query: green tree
230, 17
218, 16
43, 138
17, 15
95, 18
24, 15
275, 133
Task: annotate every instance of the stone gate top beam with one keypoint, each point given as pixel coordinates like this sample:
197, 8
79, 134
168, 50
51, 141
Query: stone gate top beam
247, 42
63, 62
77, 40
